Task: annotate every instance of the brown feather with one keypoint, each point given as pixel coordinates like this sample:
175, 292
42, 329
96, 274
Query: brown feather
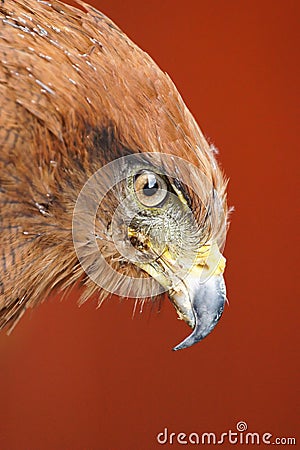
75, 93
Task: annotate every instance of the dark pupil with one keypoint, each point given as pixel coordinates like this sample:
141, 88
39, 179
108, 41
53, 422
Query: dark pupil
151, 187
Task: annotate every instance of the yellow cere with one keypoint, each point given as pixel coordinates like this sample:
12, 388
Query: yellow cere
211, 258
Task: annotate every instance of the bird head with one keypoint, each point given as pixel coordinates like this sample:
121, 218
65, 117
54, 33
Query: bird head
115, 167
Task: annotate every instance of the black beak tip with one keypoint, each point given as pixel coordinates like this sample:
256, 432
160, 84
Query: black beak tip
188, 342
202, 329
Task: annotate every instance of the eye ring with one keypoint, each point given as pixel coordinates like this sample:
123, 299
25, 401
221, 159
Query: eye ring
151, 189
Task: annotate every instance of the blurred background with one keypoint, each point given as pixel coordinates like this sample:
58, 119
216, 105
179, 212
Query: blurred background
87, 379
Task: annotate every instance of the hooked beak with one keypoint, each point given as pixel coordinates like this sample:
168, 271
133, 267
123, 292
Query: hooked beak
201, 295
203, 309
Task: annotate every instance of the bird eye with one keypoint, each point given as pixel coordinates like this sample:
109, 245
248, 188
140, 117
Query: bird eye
151, 190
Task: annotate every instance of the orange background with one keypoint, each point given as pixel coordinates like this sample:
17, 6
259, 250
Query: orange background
87, 379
